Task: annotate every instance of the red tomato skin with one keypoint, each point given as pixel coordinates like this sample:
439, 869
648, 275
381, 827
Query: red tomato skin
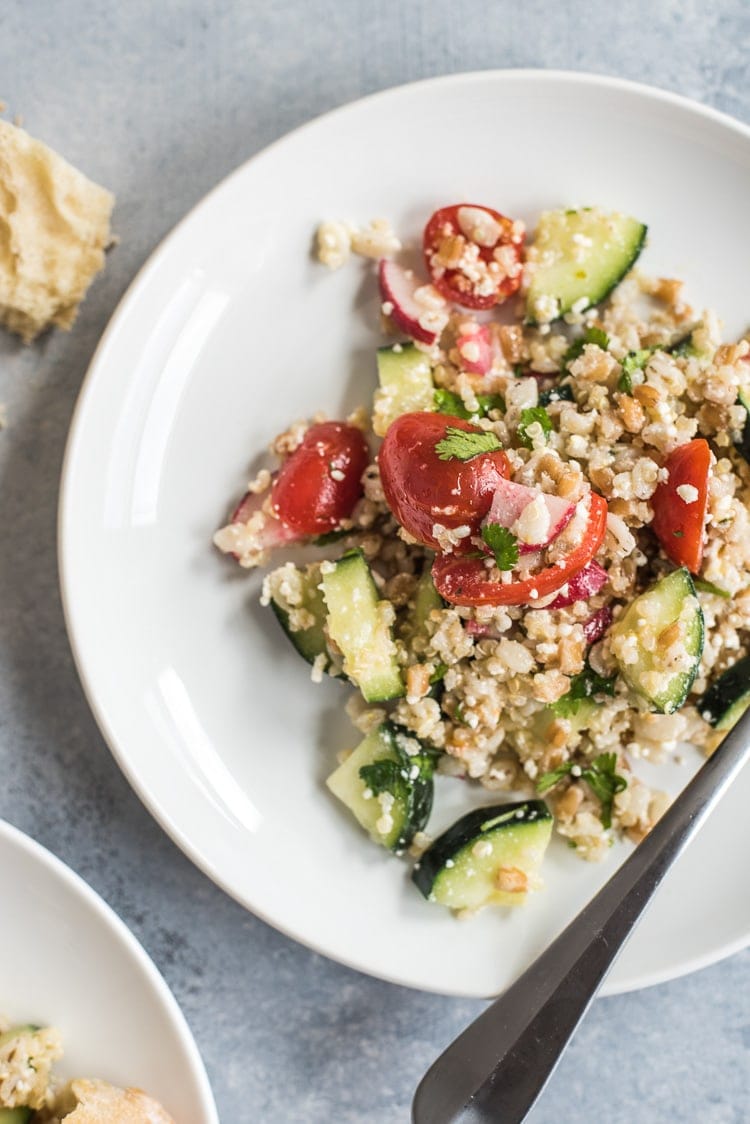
448, 283
464, 581
422, 490
680, 526
305, 495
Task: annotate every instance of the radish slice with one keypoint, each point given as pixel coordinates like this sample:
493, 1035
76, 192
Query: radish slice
475, 348
397, 288
581, 586
534, 517
595, 627
273, 532
481, 630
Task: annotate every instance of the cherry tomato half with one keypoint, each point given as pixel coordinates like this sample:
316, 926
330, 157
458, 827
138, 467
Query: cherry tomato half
464, 581
422, 490
680, 504
319, 484
474, 254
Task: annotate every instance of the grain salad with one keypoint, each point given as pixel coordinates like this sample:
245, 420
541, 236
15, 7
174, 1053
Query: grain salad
30, 1092
534, 543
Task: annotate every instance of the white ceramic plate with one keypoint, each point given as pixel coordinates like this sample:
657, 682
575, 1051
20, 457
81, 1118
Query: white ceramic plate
66, 960
231, 331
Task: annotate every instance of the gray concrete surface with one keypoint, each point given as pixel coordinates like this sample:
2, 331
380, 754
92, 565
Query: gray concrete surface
158, 99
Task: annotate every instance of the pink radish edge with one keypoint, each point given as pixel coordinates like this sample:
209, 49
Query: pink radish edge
479, 344
595, 627
581, 586
273, 532
510, 500
397, 288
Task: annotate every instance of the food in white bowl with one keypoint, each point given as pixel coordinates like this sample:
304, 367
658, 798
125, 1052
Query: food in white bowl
30, 1093
539, 576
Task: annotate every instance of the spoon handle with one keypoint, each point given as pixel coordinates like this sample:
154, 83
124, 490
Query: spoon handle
495, 1070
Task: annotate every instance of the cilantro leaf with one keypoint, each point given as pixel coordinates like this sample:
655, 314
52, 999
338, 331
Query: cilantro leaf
438, 674
447, 402
633, 361
601, 777
582, 686
503, 544
386, 775
549, 780
331, 536
530, 417
605, 783
709, 587
591, 335
461, 445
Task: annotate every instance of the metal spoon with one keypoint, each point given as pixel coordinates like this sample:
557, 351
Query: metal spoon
496, 1069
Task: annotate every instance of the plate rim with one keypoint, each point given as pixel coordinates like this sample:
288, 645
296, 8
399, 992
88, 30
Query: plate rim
129, 943
604, 82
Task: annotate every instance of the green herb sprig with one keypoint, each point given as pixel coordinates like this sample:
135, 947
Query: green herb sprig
458, 444
600, 775
503, 544
529, 417
448, 402
633, 361
582, 686
591, 335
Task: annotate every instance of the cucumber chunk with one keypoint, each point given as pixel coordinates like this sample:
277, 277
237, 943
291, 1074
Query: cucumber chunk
743, 445
359, 623
426, 599
491, 856
15, 1115
386, 783
578, 258
658, 642
310, 642
728, 698
406, 385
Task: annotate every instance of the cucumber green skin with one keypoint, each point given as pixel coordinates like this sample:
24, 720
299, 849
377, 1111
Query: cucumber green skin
469, 829
383, 681
678, 584
15, 1115
309, 642
426, 599
743, 445
728, 698
599, 292
410, 815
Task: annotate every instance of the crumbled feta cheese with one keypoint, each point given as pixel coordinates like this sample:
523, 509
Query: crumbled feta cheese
687, 493
532, 525
334, 243
545, 308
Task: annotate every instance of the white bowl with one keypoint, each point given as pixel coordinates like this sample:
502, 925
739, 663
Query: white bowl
68, 961
231, 331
